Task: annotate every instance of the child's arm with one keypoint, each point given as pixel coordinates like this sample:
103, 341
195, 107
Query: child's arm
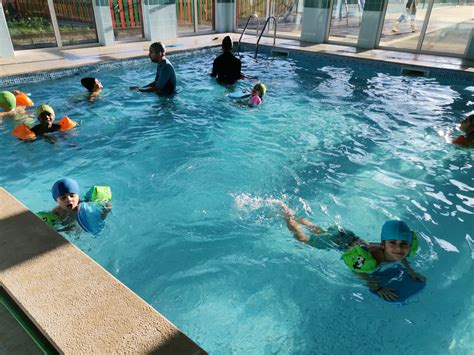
386, 293
314, 228
414, 275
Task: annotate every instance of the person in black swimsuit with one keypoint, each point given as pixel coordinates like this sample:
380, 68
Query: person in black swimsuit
227, 67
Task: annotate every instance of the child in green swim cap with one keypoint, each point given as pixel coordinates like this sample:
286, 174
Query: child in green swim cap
7, 103
397, 243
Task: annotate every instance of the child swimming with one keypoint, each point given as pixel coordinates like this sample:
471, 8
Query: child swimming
397, 241
71, 209
94, 86
467, 126
258, 92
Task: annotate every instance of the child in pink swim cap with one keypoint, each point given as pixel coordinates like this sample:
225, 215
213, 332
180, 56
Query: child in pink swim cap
257, 93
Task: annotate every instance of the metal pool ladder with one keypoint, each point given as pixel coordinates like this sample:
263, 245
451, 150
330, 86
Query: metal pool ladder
242, 34
263, 30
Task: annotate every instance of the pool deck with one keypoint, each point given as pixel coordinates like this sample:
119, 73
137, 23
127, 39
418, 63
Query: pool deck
41, 60
74, 302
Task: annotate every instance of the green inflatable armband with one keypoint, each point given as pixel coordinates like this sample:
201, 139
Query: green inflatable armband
414, 245
99, 194
358, 259
49, 218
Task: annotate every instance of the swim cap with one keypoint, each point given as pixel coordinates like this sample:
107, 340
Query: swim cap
157, 47
262, 88
44, 108
227, 43
88, 83
7, 101
396, 230
64, 186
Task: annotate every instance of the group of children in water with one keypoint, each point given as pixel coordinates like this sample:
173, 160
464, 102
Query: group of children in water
397, 240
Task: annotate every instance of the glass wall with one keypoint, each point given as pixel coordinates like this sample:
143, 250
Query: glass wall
245, 8
289, 14
403, 22
449, 27
345, 21
185, 16
205, 16
126, 19
29, 23
76, 21
195, 16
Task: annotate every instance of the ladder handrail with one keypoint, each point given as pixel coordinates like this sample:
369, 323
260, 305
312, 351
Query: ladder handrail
263, 30
242, 34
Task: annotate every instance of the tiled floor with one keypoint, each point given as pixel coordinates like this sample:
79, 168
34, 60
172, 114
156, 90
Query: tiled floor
40, 60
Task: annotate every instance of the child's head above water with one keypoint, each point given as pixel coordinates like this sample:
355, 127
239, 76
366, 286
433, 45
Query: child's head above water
66, 193
45, 114
397, 239
259, 89
91, 84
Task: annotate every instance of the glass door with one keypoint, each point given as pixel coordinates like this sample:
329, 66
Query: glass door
195, 16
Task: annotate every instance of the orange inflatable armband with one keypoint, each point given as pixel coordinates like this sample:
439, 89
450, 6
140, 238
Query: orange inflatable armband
66, 123
23, 100
24, 133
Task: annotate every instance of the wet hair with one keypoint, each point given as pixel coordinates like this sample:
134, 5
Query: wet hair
157, 47
470, 118
88, 83
227, 43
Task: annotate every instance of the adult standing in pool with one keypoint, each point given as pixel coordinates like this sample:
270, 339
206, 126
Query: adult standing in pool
165, 79
226, 66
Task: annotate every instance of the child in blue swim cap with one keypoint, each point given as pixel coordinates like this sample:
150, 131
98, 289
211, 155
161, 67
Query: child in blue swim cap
397, 243
66, 193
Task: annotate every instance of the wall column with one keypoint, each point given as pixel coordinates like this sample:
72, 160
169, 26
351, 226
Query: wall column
6, 46
103, 22
470, 46
372, 20
225, 15
316, 17
159, 19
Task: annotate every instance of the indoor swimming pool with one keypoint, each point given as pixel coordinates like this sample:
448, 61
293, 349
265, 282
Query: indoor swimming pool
198, 181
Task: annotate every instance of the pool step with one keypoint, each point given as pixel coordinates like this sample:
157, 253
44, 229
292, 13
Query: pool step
279, 53
411, 71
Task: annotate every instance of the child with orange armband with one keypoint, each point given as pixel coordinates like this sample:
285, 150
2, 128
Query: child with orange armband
46, 116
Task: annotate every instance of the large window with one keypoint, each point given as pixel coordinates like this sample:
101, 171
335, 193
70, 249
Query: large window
345, 20
29, 24
449, 27
76, 21
289, 14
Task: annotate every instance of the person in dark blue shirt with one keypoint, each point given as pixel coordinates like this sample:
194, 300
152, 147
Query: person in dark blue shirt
165, 79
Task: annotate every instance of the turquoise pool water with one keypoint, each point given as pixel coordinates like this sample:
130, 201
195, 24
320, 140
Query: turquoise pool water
196, 229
